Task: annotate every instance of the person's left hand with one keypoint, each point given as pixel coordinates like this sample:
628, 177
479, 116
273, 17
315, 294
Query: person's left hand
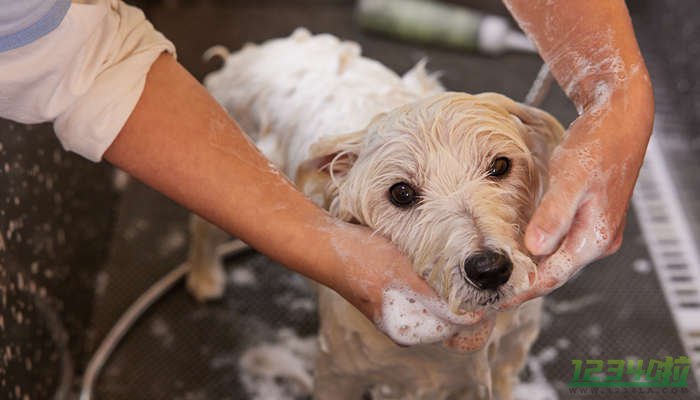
592, 174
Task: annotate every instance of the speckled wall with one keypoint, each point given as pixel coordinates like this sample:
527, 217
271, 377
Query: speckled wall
55, 222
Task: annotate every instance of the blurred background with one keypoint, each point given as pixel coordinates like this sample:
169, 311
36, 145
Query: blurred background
79, 241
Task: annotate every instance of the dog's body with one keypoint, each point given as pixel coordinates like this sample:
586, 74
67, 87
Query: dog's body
308, 101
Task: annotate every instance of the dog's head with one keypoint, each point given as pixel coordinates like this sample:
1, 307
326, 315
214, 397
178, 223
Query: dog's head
452, 180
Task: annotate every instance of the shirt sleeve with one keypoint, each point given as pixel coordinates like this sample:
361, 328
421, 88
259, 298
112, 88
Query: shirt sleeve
86, 75
22, 22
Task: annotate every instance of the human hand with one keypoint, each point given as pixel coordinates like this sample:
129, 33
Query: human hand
378, 280
592, 174
275, 218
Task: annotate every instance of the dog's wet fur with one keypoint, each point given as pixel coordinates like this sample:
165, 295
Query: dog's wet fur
445, 176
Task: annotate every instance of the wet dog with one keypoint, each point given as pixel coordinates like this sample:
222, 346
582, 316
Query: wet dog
450, 178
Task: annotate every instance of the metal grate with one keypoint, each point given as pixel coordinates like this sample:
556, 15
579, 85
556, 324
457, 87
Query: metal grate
670, 243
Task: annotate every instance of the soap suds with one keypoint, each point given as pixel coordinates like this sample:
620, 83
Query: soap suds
281, 370
537, 387
409, 319
120, 180
160, 329
642, 266
408, 322
242, 276
574, 305
593, 331
173, 241
563, 343
302, 304
101, 283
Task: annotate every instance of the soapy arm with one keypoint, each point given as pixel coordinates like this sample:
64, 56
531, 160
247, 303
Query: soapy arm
181, 142
591, 50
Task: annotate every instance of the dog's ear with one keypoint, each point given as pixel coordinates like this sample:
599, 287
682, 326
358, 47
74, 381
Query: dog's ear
544, 131
543, 134
329, 161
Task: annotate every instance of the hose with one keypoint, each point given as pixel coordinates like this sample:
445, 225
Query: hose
132, 314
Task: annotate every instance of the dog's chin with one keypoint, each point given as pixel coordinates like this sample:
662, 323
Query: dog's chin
474, 298
462, 296
458, 293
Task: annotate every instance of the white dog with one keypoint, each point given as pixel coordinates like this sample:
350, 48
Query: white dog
450, 178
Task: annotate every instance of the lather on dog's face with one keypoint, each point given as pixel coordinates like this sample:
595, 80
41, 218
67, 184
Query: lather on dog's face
452, 180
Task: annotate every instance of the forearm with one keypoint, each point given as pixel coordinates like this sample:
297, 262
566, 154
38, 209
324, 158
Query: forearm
590, 48
181, 142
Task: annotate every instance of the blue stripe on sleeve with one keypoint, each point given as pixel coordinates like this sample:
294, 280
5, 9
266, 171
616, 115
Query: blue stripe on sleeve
46, 24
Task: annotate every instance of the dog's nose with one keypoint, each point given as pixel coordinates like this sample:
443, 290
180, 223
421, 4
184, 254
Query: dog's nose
488, 269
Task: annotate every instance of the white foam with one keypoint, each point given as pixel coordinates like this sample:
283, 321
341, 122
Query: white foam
594, 331
642, 266
173, 241
563, 343
160, 329
281, 370
573, 305
537, 387
243, 277
410, 318
407, 321
120, 180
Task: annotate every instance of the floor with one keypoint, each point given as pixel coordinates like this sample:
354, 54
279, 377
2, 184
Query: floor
594, 316
185, 350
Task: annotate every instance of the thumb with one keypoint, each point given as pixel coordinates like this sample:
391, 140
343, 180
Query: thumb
552, 219
413, 287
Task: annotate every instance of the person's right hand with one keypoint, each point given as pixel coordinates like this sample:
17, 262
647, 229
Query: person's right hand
592, 176
593, 171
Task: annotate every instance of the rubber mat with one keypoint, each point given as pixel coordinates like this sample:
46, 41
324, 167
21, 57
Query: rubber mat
185, 350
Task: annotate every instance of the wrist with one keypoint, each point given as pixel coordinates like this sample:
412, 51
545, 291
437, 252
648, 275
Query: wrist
625, 106
327, 250
640, 99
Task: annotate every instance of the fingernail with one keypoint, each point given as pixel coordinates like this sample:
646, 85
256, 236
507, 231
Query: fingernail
469, 318
531, 277
540, 241
534, 240
478, 315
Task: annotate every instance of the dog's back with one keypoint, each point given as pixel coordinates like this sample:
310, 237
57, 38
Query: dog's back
287, 93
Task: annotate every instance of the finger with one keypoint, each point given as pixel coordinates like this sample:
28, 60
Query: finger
421, 296
617, 242
472, 338
441, 309
553, 217
521, 298
436, 305
587, 240
418, 284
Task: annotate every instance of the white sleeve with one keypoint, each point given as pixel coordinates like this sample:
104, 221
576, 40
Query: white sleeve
86, 76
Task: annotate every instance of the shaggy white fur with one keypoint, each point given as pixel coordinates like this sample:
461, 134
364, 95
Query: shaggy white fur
345, 129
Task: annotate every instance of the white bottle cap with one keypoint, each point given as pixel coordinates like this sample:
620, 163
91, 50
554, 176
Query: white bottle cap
496, 36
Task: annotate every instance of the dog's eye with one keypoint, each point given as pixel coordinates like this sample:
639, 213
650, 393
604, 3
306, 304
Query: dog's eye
499, 167
402, 194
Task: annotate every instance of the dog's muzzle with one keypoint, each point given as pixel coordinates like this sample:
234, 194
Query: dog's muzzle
488, 269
